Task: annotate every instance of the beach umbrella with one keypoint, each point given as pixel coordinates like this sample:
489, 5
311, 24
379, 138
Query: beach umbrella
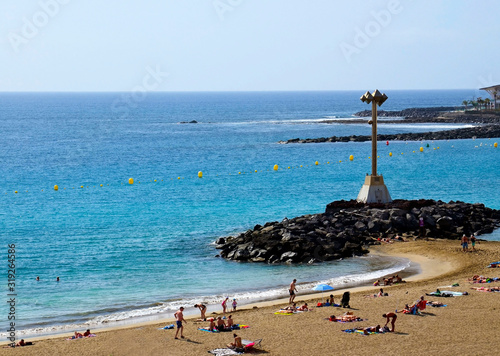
323, 288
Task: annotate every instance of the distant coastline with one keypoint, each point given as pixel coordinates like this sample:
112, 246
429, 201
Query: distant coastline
485, 125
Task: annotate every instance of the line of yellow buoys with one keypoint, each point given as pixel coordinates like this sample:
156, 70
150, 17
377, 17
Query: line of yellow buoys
275, 168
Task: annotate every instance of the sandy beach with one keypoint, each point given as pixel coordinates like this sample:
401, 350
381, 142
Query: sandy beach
469, 324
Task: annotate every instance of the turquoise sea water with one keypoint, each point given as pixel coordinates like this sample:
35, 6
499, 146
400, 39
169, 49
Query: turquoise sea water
142, 250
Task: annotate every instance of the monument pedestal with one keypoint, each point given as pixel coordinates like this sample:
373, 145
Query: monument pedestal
374, 191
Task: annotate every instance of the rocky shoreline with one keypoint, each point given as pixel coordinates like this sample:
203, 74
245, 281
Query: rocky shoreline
486, 126
486, 131
348, 228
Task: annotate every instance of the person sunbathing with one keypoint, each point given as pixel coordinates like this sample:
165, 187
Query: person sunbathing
370, 329
291, 309
347, 317
237, 345
303, 307
78, 335
435, 304
86, 333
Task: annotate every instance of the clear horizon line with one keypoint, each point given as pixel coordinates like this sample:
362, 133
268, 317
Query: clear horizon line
223, 91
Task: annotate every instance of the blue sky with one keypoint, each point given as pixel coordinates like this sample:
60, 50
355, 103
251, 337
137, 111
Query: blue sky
218, 45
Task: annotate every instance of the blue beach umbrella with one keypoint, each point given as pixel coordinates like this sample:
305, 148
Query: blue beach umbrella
323, 288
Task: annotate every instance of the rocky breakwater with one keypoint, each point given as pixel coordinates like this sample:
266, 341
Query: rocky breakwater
487, 131
348, 228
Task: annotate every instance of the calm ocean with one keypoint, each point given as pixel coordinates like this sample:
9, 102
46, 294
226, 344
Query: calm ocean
126, 251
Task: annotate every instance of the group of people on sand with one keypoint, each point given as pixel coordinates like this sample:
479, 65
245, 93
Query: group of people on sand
389, 281
220, 324
481, 279
465, 243
390, 317
80, 335
293, 308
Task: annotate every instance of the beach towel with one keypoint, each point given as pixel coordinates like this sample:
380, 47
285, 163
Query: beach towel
235, 327
287, 312
224, 352
455, 294
207, 329
494, 265
319, 305
171, 326
283, 313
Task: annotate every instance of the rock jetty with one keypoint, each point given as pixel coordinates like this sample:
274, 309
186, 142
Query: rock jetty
487, 131
348, 228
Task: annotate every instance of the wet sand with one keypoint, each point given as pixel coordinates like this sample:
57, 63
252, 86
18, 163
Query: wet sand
469, 325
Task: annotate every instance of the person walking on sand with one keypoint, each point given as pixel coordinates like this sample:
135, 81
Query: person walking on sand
465, 243
292, 289
393, 321
473, 242
235, 304
224, 305
179, 318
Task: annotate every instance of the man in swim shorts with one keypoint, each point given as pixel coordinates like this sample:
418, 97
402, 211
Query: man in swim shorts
465, 243
179, 318
292, 289
389, 316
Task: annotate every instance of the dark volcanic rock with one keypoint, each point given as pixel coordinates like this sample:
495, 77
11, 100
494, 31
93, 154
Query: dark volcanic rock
346, 228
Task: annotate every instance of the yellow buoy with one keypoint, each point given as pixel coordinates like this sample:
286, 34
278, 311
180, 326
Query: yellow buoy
255, 171
239, 172
200, 175
275, 167
155, 180
390, 154
15, 192
81, 186
56, 187
495, 145
131, 181
101, 185
421, 149
316, 163
351, 157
